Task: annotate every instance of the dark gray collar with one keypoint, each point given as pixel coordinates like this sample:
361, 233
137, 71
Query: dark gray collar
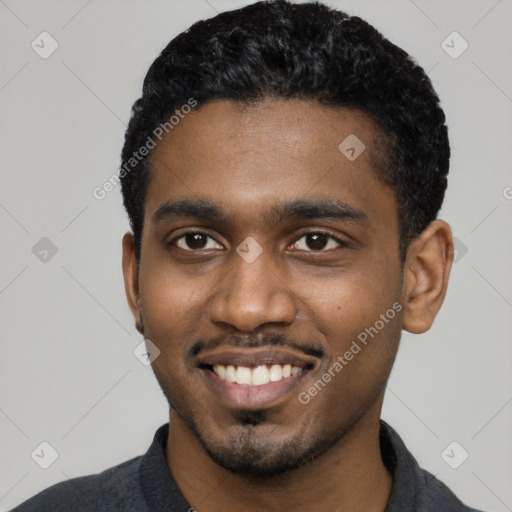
413, 488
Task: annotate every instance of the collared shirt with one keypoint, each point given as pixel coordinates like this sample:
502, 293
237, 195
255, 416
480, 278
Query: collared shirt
145, 483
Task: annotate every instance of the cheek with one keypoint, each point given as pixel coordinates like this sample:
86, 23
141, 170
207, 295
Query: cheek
347, 303
362, 347
170, 307
360, 317
168, 294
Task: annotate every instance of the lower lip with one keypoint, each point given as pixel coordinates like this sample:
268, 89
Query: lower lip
243, 396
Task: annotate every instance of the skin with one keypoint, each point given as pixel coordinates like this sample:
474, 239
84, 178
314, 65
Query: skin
313, 291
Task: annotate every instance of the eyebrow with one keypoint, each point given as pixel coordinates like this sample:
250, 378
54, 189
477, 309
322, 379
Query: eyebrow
314, 209
187, 208
299, 209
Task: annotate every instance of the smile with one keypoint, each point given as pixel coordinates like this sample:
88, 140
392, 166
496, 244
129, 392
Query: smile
257, 376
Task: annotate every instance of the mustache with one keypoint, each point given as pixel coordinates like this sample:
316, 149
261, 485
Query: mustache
262, 340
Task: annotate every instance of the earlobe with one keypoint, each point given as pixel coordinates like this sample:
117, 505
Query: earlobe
139, 324
426, 273
131, 279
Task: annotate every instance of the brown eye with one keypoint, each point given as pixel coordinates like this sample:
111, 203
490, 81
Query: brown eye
196, 241
317, 242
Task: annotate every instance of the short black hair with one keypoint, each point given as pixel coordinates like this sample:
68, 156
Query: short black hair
277, 49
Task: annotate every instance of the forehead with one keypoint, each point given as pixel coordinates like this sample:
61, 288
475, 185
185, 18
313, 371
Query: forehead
250, 158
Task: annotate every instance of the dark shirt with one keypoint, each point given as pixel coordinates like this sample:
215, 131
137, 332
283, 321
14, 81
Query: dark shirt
145, 484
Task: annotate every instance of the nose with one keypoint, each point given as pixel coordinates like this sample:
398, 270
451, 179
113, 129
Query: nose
253, 295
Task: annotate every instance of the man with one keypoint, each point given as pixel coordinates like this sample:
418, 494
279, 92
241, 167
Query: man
282, 173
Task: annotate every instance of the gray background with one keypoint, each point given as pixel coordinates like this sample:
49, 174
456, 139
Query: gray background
68, 375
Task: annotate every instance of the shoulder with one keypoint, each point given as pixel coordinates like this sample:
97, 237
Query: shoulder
413, 487
109, 490
441, 498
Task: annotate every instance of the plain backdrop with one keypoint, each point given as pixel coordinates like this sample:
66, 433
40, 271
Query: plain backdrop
68, 375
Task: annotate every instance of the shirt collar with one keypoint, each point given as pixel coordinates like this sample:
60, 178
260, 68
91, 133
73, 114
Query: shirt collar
406, 492
162, 494
160, 491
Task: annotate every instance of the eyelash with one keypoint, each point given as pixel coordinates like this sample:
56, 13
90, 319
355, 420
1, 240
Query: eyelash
341, 243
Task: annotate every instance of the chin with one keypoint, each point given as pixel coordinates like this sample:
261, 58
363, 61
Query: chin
256, 449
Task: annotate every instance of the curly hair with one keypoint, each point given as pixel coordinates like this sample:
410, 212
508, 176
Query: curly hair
277, 49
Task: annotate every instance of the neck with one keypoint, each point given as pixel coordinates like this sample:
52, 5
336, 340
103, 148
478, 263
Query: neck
350, 476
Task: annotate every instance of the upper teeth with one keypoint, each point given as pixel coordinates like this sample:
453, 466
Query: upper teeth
255, 376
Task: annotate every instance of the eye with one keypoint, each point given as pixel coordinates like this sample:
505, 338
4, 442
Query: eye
196, 241
317, 242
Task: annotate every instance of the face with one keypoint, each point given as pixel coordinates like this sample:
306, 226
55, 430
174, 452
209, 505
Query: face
269, 279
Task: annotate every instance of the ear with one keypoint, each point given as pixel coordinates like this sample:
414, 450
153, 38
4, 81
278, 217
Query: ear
426, 273
131, 280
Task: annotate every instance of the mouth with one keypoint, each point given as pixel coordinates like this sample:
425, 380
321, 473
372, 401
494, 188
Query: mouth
256, 378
